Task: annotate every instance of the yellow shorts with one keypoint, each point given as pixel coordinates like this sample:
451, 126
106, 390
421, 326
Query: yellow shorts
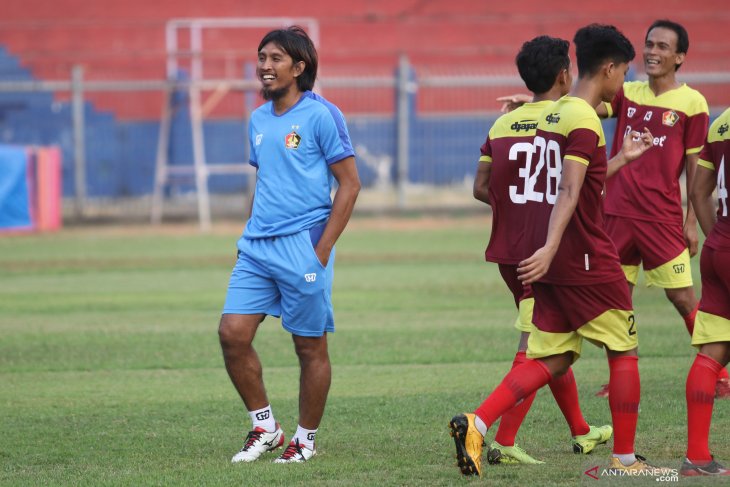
616, 329
524, 320
710, 328
674, 274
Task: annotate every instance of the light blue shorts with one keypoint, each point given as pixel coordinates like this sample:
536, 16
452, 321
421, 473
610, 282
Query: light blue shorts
282, 276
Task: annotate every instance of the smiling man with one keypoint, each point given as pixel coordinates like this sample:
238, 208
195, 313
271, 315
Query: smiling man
299, 146
644, 215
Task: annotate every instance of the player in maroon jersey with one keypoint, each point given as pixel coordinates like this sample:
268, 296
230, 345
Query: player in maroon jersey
712, 329
503, 167
643, 203
584, 294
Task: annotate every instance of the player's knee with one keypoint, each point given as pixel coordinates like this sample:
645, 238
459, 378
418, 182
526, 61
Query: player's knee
230, 334
311, 349
683, 299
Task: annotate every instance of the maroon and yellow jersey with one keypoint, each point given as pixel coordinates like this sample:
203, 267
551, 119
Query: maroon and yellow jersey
509, 149
648, 188
715, 156
570, 130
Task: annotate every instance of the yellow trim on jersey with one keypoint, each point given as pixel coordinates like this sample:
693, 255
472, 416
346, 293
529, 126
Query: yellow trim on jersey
706, 164
486, 159
694, 150
577, 159
571, 113
714, 134
609, 109
614, 328
685, 99
524, 320
521, 122
710, 328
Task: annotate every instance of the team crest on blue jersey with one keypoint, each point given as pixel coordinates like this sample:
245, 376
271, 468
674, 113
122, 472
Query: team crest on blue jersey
292, 140
669, 118
722, 129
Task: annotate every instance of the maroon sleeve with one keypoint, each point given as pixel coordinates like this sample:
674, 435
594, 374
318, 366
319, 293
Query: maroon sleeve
696, 131
486, 149
581, 142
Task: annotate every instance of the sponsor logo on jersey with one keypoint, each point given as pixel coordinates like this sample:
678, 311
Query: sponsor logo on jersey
292, 140
659, 141
310, 277
553, 118
526, 125
630, 112
722, 129
258, 138
669, 118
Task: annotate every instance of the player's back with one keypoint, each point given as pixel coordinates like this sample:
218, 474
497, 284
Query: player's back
570, 130
509, 150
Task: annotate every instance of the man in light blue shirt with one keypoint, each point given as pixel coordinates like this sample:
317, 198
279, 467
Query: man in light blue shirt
299, 146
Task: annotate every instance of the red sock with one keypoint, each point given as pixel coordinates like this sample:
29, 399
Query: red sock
519, 383
565, 393
700, 393
512, 419
624, 392
689, 320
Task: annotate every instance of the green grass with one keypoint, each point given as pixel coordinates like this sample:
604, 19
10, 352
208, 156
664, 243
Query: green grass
111, 374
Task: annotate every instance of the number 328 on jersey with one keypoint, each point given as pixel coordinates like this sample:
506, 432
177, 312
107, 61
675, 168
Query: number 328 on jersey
548, 164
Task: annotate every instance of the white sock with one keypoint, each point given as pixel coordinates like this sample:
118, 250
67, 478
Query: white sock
305, 437
625, 458
263, 418
481, 427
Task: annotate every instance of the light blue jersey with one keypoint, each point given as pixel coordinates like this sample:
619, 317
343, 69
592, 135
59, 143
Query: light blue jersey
292, 153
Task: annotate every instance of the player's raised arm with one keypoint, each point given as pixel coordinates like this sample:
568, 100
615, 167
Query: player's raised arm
635, 144
512, 102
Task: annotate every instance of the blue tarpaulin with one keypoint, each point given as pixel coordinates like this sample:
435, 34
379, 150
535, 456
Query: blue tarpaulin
14, 191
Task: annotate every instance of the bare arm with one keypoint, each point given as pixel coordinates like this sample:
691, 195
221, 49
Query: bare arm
701, 197
512, 102
481, 182
571, 181
634, 145
345, 173
690, 222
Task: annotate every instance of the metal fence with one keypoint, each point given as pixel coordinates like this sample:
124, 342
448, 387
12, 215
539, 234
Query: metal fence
416, 133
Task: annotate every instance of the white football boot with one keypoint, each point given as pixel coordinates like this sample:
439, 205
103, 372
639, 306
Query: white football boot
296, 453
258, 442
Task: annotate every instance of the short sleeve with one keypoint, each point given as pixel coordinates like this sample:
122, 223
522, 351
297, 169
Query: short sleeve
334, 138
486, 150
696, 128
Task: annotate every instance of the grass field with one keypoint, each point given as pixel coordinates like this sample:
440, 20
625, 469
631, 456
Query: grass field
111, 373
